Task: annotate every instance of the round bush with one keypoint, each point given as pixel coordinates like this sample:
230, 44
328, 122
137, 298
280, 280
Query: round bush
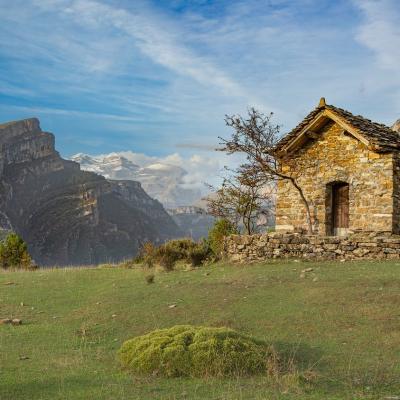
196, 351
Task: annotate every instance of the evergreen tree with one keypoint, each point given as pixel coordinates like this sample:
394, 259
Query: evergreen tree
14, 252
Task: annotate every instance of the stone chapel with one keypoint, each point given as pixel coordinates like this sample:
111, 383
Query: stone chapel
348, 170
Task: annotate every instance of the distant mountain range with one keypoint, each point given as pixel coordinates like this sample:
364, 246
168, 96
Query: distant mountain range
69, 216
193, 221
162, 181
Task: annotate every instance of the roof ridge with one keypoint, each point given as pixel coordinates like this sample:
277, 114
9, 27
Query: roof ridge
359, 116
376, 133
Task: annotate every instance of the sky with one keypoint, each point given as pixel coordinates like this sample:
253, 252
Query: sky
158, 76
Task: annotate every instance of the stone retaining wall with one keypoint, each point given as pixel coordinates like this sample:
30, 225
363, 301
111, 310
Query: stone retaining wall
284, 245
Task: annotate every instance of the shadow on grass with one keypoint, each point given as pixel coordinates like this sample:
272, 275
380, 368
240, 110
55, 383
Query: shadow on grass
300, 354
308, 363
49, 388
315, 366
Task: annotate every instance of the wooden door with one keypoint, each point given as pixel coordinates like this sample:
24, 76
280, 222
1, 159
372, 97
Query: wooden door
340, 208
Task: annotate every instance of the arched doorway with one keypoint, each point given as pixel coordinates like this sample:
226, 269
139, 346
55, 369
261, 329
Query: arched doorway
339, 215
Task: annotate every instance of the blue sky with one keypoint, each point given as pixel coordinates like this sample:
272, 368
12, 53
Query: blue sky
157, 77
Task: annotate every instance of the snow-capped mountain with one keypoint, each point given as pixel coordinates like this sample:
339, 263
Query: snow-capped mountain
162, 181
111, 166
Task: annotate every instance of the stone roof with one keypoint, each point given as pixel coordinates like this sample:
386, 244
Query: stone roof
396, 126
379, 136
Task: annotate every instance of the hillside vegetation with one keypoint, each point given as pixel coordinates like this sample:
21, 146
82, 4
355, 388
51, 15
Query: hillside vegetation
339, 325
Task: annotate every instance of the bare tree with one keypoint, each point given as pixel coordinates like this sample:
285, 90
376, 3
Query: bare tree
256, 137
241, 199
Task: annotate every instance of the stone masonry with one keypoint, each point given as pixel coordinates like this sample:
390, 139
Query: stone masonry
333, 146
261, 247
339, 157
348, 169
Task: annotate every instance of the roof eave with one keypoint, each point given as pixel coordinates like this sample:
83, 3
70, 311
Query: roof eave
323, 114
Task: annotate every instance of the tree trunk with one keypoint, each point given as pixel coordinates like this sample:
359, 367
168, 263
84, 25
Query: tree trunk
246, 223
306, 206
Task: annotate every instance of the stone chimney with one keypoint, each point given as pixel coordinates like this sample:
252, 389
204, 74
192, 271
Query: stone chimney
396, 126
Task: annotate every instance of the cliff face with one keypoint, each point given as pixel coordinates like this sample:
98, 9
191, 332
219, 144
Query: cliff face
193, 221
68, 216
162, 181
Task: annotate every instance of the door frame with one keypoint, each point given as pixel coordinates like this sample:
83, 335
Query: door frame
331, 212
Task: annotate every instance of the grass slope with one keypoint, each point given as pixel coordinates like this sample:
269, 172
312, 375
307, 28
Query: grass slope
345, 325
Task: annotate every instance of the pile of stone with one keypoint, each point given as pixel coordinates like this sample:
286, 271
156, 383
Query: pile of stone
14, 321
243, 248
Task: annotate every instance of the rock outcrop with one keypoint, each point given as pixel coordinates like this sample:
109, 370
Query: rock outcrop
68, 216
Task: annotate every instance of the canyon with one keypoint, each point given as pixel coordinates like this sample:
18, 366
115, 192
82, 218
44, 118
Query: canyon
68, 216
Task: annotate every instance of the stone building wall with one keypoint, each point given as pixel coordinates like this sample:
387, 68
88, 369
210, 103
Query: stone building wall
396, 193
275, 245
336, 156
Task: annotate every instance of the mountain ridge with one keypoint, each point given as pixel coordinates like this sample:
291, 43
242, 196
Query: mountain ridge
66, 215
162, 181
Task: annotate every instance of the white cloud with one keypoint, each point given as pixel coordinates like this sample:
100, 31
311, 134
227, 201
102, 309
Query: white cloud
156, 76
14, 90
74, 113
174, 180
120, 61
152, 35
199, 169
380, 31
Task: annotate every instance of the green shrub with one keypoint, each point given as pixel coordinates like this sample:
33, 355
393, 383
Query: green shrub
167, 254
147, 254
179, 248
149, 279
216, 234
136, 260
166, 257
198, 254
14, 253
183, 249
195, 351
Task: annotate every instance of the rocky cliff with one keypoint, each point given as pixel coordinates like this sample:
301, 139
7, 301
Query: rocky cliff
68, 216
162, 181
193, 221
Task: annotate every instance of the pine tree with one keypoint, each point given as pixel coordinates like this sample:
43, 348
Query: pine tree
14, 253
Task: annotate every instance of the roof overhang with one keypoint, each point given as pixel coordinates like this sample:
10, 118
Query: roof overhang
312, 128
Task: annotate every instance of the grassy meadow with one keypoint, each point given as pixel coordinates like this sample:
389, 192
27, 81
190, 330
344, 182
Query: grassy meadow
340, 325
